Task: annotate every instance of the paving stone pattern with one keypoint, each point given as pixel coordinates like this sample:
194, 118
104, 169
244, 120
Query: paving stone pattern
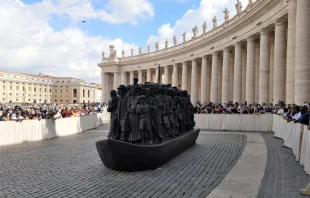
283, 175
70, 167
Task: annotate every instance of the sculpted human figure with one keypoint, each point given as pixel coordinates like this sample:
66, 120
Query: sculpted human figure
148, 48
131, 52
123, 53
134, 135
112, 107
113, 51
156, 46
195, 31
204, 27
251, 2
121, 112
143, 109
184, 37
175, 40
158, 129
238, 7
166, 43
214, 22
226, 14
140, 50
102, 54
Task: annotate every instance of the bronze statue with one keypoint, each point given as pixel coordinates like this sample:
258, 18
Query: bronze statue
149, 113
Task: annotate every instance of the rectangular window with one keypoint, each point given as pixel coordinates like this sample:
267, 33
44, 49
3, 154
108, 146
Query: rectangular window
60, 90
75, 93
16, 88
40, 89
45, 90
50, 90
35, 89
83, 93
10, 87
29, 88
3, 86
16, 99
88, 93
55, 90
67, 90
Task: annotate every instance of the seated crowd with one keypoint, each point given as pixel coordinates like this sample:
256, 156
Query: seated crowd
290, 112
34, 111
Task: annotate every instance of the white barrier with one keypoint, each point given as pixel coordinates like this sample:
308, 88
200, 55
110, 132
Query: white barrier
12, 132
295, 135
234, 122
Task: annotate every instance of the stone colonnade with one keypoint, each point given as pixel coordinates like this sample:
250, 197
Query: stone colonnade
264, 68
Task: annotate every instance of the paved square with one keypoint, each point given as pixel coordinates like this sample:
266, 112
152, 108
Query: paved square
70, 167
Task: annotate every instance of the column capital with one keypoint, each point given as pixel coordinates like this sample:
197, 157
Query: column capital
238, 44
280, 22
215, 54
251, 39
264, 31
226, 49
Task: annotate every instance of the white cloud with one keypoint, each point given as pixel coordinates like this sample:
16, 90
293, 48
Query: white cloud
30, 45
205, 12
115, 11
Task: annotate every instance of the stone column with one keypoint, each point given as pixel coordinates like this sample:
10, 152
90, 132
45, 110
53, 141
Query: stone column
213, 94
194, 84
116, 81
184, 76
250, 72
208, 74
219, 80
264, 68
148, 75
204, 78
175, 75
256, 73
279, 61
302, 61
225, 79
140, 77
103, 88
156, 75
271, 76
237, 73
243, 73
231, 76
123, 78
290, 61
166, 74
132, 75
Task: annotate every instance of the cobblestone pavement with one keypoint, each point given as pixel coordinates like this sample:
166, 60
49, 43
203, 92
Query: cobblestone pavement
70, 167
283, 175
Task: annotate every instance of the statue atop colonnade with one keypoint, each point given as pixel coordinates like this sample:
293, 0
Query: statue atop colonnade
238, 7
226, 11
214, 22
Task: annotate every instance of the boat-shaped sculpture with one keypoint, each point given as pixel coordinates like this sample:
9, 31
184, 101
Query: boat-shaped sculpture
150, 124
123, 156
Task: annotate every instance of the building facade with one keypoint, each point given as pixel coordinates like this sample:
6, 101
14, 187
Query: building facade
260, 55
19, 87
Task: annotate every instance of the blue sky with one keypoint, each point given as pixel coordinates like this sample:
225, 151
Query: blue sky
47, 36
167, 11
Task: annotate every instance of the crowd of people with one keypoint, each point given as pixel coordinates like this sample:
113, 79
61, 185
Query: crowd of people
38, 111
149, 113
289, 112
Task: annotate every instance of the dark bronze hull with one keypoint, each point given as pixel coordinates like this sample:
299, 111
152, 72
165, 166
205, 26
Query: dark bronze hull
123, 156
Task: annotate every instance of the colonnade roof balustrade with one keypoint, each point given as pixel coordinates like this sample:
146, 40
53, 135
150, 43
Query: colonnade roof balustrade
228, 31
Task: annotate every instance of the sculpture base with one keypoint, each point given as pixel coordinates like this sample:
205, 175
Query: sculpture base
123, 156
